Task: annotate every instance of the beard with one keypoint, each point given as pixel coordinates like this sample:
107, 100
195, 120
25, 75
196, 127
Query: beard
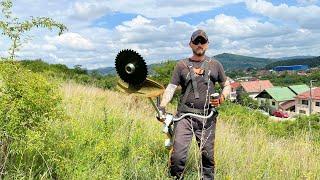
199, 51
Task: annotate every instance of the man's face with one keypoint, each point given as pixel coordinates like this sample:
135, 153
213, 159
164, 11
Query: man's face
199, 46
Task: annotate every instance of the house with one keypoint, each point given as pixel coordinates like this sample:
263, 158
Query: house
277, 98
253, 88
297, 89
233, 93
303, 100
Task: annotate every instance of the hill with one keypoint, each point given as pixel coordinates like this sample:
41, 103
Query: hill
111, 137
295, 57
311, 62
105, 71
239, 62
229, 61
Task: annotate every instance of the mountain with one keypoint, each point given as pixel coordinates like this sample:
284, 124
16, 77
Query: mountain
105, 70
239, 62
295, 57
229, 62
311, 62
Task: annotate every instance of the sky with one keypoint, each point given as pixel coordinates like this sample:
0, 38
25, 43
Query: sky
161, 30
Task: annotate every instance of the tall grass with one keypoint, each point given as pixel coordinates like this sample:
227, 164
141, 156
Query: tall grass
110, 135
116, 136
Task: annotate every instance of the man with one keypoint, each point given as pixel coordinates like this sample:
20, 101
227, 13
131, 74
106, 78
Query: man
197, 76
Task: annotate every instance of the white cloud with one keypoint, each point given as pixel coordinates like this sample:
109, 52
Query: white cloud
306, 17
233, 27
307, 2
148, 8
289, 30
89, 11
49, 47
71, 40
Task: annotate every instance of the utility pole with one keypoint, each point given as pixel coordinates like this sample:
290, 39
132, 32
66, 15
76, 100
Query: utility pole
310, 98
310, 108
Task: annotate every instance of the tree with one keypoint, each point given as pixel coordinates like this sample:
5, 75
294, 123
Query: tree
15, 29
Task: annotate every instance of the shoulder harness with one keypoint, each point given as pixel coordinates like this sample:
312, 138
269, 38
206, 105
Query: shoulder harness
191, 83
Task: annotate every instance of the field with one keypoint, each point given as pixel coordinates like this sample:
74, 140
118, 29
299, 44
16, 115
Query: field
115, 136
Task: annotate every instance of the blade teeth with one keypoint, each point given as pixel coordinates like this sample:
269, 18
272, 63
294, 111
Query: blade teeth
141, 61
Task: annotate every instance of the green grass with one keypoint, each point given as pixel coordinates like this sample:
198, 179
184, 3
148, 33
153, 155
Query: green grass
110, 135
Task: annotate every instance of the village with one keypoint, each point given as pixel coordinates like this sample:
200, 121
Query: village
281, 102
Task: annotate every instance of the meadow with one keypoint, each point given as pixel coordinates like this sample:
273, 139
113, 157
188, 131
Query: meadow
115, 136
91, 133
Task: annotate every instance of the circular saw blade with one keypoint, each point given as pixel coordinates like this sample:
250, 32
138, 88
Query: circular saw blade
131, 67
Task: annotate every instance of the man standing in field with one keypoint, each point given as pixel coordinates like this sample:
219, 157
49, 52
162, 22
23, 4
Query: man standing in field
197, 76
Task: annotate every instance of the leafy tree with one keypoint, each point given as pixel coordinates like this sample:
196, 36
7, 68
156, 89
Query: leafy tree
244, 99
163, 72
15, 29
79, 70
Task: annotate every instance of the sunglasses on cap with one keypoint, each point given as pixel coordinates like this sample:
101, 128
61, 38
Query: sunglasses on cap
200, 40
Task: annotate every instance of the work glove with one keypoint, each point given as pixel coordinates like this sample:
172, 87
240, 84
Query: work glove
218, 101
162, 111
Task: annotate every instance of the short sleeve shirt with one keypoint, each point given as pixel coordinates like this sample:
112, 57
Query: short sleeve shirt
180, 77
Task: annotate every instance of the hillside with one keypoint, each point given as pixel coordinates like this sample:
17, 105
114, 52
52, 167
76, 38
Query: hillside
239, 62
295, 57
93, 133
229, 61
111, 137
311, 62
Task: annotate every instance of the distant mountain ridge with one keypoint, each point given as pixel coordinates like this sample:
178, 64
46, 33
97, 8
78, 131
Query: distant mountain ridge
229, 62
296, 57
240, 62
311, 62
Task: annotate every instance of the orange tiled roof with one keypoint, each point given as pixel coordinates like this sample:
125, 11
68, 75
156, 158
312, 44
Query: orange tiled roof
306, 95
256, 86
234, 85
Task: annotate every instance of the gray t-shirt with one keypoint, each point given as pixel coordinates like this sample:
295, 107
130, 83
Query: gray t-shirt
181, 72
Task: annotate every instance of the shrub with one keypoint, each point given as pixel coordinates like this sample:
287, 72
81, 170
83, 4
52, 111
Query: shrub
28, 103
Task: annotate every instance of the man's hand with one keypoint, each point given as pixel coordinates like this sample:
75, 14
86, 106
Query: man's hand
162, 111
217, 102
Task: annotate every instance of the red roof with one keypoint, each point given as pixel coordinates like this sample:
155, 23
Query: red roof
288, 104
306, 95
234, 85
256, 86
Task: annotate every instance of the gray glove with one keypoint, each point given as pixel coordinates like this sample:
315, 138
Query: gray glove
162, 111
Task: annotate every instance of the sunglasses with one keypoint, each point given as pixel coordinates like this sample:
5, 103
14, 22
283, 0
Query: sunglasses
200, 40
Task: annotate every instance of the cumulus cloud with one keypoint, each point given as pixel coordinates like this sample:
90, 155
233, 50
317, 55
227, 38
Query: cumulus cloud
148, 8
88, 11
71, 40
307, 2
306, 16
233, 27
154, 33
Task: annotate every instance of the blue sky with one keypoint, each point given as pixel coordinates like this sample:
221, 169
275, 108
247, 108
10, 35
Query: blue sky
160, 30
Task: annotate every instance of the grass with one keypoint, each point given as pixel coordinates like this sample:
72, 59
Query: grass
110, 135
116, 136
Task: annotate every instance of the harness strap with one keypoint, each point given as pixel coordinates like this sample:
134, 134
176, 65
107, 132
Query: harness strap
193, 81
185, 109
204, 66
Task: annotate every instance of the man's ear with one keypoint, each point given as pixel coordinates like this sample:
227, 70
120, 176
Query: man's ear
190, 43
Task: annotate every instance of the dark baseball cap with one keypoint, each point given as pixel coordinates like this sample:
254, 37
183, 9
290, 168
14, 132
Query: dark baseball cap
198, 33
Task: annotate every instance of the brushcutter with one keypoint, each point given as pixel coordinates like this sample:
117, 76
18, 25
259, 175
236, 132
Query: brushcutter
133, 71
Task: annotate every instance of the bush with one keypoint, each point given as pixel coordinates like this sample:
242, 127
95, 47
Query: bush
28, 103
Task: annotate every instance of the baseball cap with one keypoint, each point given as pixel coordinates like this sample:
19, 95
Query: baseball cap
198, 33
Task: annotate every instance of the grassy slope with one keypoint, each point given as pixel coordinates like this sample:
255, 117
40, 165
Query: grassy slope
115, 136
